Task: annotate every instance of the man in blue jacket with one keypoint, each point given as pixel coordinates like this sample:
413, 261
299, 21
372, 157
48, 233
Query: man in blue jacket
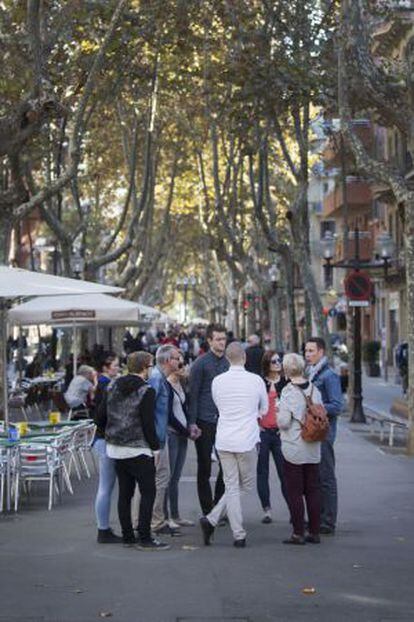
167, 358
328, 383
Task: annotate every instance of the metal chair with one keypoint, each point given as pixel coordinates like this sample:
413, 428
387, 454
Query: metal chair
37, 462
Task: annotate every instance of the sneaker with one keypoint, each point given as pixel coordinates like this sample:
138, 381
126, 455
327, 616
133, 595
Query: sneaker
207, 528
294, 539
267, 518
173, 524
313, 538
107, 536
326, 530
184, 522
240, 544
166, 530
152, 545
129, 542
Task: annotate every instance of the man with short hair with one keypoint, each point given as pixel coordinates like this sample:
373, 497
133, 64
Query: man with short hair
329, 385
254, 355
203, 412
133, 444
167, 358
241, 399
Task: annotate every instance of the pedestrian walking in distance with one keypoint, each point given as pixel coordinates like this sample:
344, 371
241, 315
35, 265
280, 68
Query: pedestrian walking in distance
301, 458
133, 443
327, 381
270, 443
203, 413
241, 398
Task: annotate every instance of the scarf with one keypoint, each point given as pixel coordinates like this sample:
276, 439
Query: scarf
315, 369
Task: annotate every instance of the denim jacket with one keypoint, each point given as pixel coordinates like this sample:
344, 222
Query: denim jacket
329, 385
163, 403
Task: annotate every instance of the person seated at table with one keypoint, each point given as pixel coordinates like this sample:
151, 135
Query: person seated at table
81, 391
35, 368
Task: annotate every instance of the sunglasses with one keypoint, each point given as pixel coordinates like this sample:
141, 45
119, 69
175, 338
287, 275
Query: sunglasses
180, 365
275, 361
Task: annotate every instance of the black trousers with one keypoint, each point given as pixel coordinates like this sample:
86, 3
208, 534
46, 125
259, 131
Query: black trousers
204, 446
132, 471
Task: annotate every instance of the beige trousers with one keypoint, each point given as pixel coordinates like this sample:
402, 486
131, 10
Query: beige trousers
239, 472
162, 478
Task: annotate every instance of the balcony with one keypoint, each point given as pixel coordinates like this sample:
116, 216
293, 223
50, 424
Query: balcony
359, 195
331, 153
366, 249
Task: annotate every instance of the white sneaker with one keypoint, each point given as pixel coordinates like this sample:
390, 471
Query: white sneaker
267, 518
173, 524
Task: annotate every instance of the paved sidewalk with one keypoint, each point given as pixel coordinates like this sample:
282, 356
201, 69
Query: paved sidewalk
52, 569
379, 395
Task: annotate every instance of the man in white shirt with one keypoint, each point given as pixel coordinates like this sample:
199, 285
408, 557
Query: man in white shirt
241, 399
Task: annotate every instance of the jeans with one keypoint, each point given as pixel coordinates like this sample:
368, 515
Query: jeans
107, 478
162, 478
130, 471
269, 444
329, 489
302, 480
238, 474
177, 450
204, 446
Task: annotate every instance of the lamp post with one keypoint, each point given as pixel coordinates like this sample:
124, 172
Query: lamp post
384, 251
274, 276
184, 284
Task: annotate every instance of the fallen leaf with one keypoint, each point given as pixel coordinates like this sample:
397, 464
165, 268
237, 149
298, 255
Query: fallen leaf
357, 566
400, 539
309, 590
78, 591
105, 614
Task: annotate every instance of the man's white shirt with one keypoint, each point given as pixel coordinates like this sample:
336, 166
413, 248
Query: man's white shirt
241, 398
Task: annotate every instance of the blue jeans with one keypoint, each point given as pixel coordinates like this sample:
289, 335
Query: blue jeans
329, 490
107, 478
269, 444
177, 451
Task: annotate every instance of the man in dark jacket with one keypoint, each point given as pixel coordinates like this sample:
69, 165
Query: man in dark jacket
133, 443
328, 383
254, 355
203, 413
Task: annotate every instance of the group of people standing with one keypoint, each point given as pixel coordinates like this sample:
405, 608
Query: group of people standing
146, 418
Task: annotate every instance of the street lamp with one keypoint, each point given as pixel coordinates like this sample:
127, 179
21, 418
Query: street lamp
384, 249
328, 245
77, 264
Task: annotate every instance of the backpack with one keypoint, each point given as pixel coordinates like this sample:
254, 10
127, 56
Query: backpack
316, 424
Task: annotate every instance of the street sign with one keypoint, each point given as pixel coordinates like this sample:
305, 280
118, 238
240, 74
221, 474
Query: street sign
358, 303
358, 286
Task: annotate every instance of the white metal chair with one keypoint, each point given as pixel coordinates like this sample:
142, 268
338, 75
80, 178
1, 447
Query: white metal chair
37, 462
83, 436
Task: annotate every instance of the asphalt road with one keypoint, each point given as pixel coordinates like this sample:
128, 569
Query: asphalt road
52, 569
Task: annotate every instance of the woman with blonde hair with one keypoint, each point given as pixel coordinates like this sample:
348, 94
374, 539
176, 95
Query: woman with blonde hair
301, 458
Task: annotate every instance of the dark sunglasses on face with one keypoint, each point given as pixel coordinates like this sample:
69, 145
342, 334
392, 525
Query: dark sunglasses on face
275, 361
180, 365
